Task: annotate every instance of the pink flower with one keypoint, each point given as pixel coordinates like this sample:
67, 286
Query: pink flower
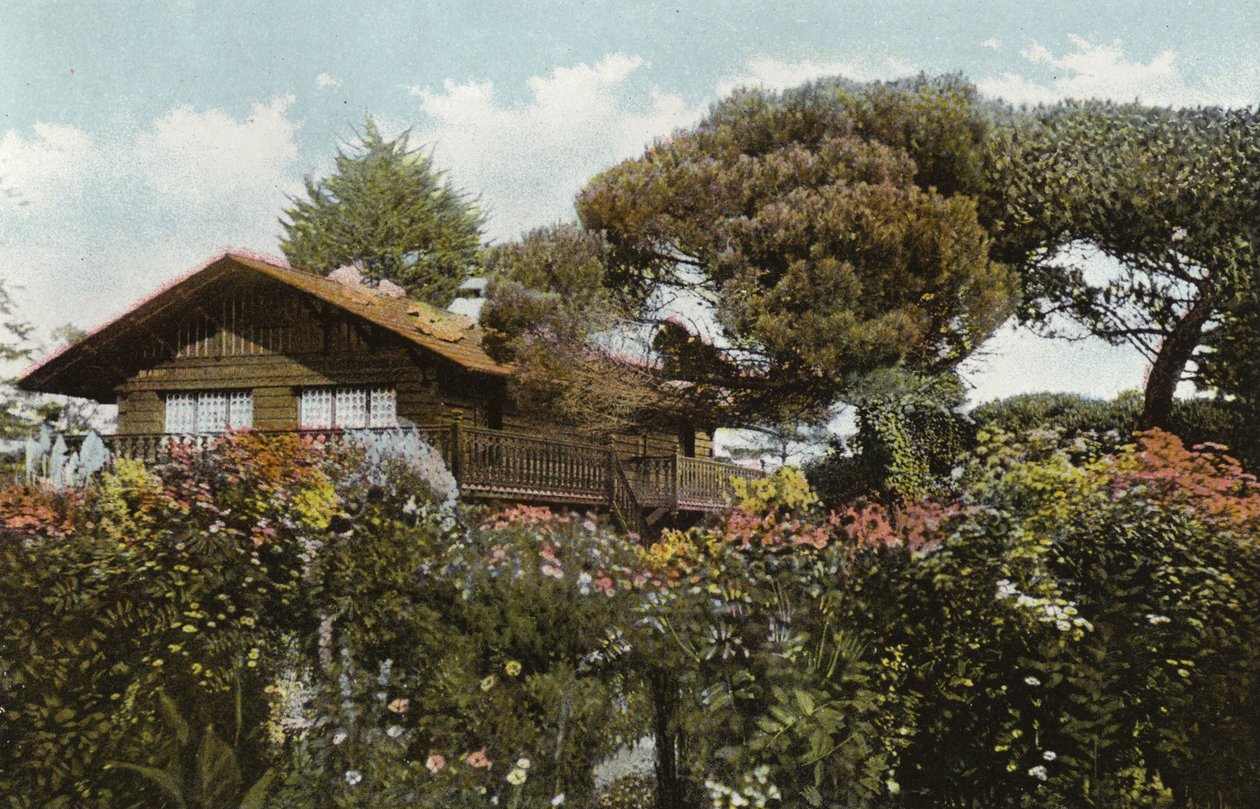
435, 763
478, 760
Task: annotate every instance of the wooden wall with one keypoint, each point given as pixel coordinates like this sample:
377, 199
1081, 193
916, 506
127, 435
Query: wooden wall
322, 347
270, 340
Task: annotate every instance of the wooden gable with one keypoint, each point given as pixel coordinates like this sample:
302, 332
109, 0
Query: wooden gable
228, 307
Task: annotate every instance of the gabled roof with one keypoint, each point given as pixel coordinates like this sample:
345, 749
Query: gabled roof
454, 337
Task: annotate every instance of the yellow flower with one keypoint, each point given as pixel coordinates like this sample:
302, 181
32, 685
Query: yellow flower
512, 668
488, 683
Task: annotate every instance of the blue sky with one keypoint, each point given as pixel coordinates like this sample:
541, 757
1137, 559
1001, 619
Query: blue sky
137, 138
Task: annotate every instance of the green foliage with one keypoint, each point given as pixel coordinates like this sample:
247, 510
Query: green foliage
785, 489
269, 625
176, 584
201, 771
627, 792
388, 211
911, 435
833, 229
16, 416
1083, 425
475, 649
1172, 195
547, 312
1072, 414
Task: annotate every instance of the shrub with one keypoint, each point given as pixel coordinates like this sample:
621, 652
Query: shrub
1079, 627
175, 583
1075, 629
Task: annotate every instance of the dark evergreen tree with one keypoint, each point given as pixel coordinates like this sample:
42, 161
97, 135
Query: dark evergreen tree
387, 210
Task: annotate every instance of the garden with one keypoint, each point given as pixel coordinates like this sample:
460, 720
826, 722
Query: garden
1043, 602
1068, 617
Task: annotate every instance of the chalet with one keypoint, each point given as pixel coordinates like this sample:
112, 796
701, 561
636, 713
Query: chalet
247, 342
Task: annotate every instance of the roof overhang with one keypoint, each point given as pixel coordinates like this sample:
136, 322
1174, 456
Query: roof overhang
90, 367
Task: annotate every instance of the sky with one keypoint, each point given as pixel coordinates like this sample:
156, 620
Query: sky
138, 139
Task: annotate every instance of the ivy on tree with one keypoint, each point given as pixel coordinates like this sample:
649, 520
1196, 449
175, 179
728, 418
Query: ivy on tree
386, 209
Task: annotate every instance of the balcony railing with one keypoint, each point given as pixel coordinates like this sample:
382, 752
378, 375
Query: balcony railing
509, 465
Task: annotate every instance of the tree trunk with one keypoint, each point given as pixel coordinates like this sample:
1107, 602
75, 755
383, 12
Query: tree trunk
669, 786
1170, 363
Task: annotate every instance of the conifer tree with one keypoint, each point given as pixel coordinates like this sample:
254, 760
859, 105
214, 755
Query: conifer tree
386, 209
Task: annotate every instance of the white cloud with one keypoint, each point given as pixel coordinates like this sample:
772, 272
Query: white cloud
114, 214
208, 159
527, 161
777, 74
325, 81
1106, 71
992, 43
54, 163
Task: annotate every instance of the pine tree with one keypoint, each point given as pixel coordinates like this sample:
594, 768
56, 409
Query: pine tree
386, 209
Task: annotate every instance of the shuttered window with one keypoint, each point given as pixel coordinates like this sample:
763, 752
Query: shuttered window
347, 408
213, 411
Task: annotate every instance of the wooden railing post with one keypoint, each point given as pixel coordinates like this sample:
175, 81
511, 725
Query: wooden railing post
457, 447
611, 473
674, 479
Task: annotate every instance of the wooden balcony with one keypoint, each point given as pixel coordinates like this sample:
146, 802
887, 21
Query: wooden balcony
637, 490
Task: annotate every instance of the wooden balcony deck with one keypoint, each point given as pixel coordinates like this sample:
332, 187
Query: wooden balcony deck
500, 464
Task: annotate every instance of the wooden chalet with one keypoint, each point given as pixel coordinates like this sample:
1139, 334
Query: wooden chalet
247, 342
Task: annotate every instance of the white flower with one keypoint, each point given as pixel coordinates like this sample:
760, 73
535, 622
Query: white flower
559, 799
1155, 620
394, 731
1049, 755
353, 777
340, 737
1033, 681
1039, 772
522, 763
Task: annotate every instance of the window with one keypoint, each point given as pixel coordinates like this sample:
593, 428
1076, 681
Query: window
347, 408
211, 411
